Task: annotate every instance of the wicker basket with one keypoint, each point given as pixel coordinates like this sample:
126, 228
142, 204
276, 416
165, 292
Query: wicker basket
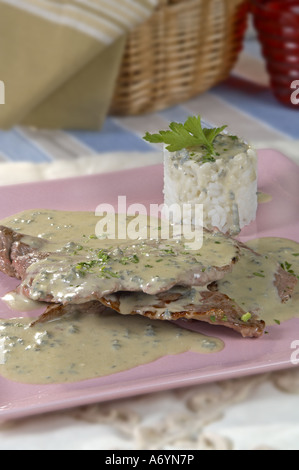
184, 49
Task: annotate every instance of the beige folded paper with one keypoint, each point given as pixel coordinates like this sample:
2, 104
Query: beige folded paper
59, 60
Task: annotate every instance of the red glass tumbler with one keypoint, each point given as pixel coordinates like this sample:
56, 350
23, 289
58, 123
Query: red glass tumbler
277, 24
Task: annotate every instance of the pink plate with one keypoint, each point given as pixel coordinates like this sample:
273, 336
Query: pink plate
278, 176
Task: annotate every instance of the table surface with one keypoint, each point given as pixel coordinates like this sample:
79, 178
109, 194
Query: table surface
250, 413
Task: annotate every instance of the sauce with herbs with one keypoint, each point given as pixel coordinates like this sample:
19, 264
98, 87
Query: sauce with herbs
226, 147
250, 285
82, 346
251, 282
84, 266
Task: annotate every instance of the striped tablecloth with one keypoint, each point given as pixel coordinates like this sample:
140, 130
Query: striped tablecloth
254, 413
244, 102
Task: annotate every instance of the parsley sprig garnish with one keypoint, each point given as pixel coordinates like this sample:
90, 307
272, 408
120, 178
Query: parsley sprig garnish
288, 268
186, 136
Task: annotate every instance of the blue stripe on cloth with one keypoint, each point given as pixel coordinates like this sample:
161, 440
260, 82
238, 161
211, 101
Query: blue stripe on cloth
15, 147
178, 114
175, 113
111, 138
260, 103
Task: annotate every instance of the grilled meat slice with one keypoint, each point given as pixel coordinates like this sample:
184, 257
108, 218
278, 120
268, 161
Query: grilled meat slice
285, 284
55, 311
191, 304
73, 275
16, 255
213, 307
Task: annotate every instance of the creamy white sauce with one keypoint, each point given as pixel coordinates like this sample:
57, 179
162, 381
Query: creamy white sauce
20, 303
83, 346
81, 266
251, 283
264, 198
91, 345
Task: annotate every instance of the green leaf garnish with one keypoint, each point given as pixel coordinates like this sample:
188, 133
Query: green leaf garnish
246, 317
287, 267
169, 251
186, 136
259, 274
